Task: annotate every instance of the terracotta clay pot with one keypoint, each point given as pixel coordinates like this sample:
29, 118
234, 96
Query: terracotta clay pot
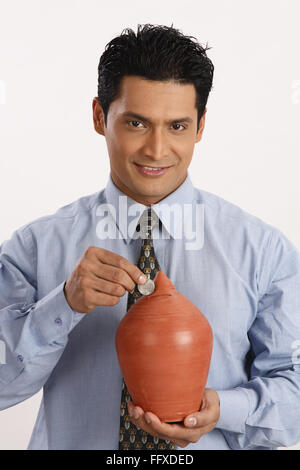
164, 346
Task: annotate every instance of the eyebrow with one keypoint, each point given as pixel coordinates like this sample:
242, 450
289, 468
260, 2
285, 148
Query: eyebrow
145, 119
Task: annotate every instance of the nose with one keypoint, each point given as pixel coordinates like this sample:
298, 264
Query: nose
156, 145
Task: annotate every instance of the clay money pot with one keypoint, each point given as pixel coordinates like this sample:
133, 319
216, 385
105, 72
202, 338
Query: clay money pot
164, 346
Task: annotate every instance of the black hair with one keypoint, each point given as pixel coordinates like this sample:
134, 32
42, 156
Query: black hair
156, 52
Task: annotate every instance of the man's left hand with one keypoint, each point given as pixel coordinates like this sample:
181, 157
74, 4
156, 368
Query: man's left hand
192, 428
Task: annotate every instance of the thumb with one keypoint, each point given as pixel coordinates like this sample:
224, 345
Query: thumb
199, 419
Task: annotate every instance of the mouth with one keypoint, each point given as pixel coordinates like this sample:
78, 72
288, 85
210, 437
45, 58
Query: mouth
151, 170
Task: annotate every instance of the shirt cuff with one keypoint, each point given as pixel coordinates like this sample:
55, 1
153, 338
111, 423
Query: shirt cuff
234, 410
52, 318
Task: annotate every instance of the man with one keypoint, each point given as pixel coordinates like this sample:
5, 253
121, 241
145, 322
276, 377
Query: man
63, 280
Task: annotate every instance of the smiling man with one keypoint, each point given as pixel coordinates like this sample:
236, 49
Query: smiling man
65, 284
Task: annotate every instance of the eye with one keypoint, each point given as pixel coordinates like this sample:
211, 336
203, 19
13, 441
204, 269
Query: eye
132, 123
135, 124
179, 126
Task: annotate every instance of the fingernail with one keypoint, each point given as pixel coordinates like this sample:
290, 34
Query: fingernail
142, 279
192, 421
136, 415
148, 419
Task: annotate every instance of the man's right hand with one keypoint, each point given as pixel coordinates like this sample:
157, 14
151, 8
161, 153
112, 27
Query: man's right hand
100, 278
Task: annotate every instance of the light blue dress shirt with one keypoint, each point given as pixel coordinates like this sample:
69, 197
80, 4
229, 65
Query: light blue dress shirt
244, 276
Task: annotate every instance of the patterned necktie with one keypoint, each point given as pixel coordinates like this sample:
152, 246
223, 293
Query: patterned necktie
131, 436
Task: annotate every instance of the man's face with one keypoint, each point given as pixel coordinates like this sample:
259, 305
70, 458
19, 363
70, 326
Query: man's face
143, 129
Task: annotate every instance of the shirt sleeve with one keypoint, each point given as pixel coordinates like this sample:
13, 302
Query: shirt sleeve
265, 411
33, 332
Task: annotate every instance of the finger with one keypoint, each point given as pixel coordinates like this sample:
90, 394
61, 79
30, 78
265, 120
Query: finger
200, 419
113, 259
138, 415
106, 287
165, 429
177, 432
93, 298
111, 274
135, 412
171, 432
193, 420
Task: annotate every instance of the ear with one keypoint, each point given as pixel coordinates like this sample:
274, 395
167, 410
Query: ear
98, 117
201, 127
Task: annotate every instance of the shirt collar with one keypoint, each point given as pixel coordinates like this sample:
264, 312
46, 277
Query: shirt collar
123, 208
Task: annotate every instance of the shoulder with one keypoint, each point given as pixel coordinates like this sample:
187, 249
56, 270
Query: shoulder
223, 210
65, 216
243, 236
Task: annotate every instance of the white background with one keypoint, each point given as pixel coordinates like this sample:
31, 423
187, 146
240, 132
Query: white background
51, 156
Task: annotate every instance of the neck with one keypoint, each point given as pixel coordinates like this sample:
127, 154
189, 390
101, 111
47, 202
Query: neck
141, 199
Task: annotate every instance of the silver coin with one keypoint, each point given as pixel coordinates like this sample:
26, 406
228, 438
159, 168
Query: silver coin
147, 288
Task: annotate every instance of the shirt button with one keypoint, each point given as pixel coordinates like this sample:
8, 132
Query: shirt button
20, 358
58, 321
